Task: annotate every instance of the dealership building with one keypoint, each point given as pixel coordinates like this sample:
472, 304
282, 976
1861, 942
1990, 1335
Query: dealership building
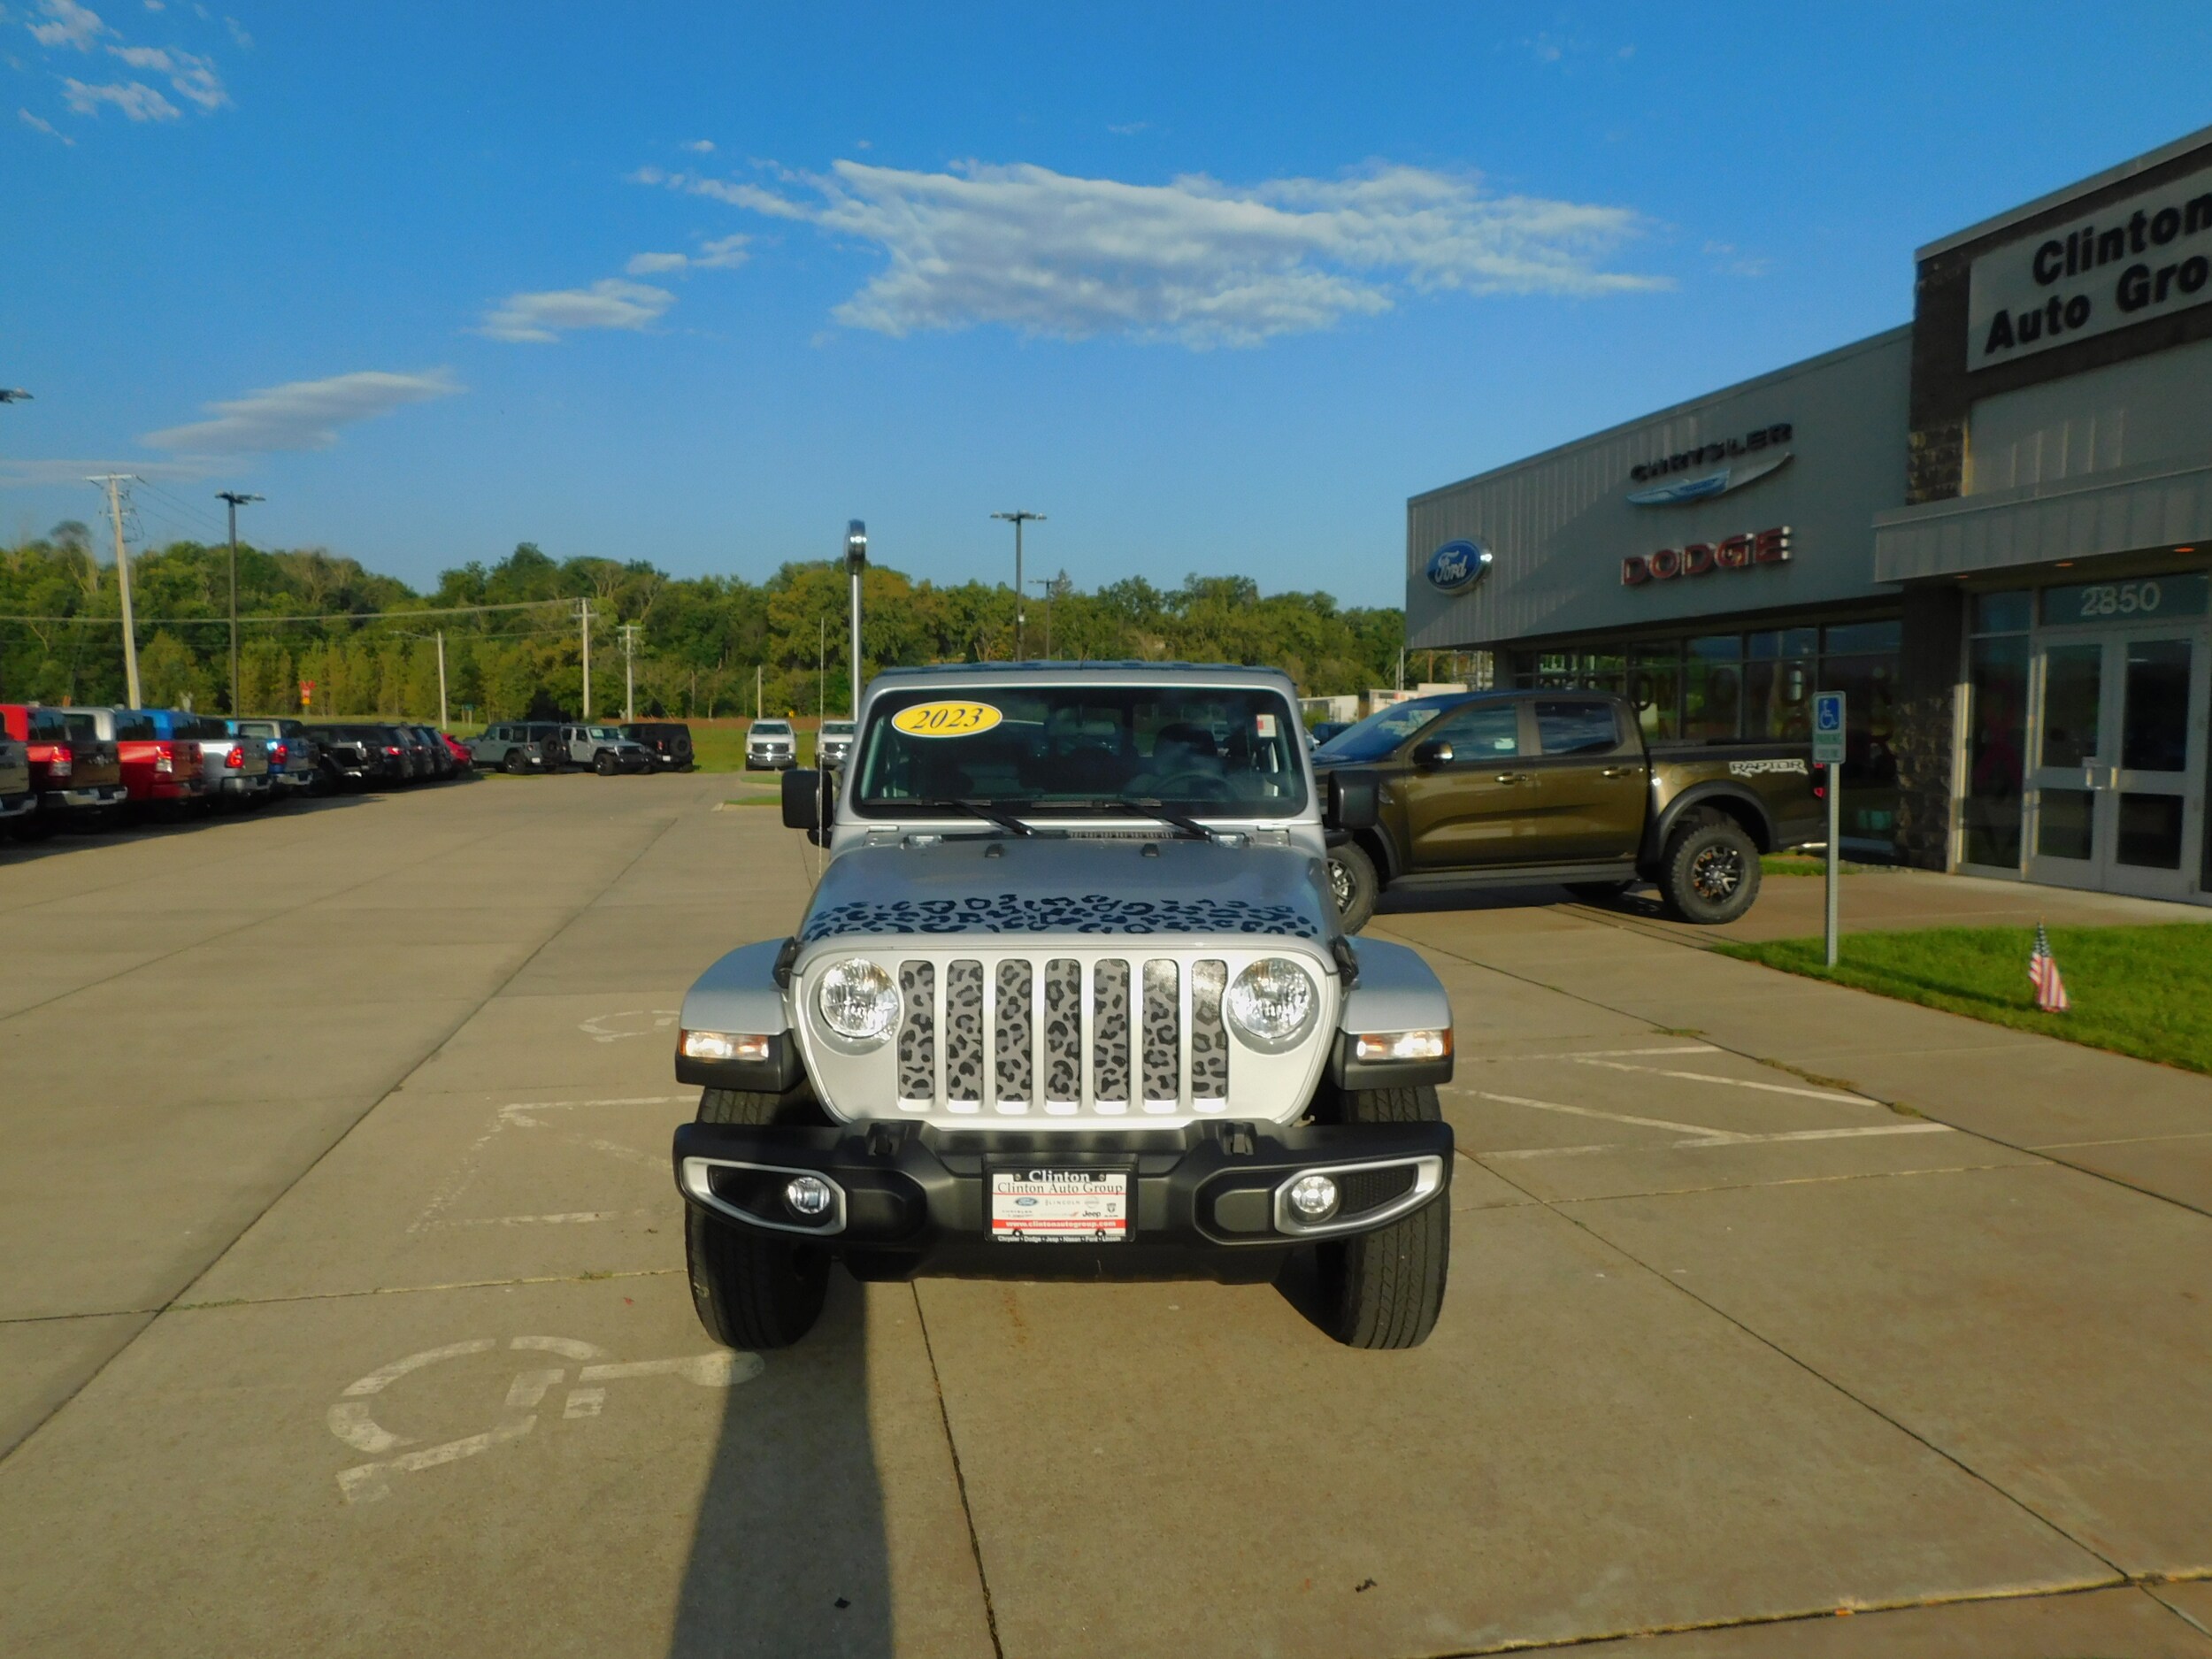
1991, 529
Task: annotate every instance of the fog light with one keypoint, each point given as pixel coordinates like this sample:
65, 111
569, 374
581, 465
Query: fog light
808, 1196
1314, 1197
1403, 1045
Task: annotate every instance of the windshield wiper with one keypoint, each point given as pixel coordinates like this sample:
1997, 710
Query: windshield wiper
1144, 808
983, 810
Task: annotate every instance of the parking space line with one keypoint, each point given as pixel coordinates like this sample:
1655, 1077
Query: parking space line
1594, 1054
1618, 1118
1731, 1082
1857, 1133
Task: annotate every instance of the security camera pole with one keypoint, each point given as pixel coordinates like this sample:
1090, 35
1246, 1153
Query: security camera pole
855, 562
1018, 518
236, 501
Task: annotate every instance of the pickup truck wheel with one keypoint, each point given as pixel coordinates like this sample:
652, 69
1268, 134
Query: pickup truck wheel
750, 1292
1710, 872
1353, 885
1384, 1289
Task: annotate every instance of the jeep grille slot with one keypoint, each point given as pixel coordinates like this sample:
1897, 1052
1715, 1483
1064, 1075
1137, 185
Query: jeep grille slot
1013, 1049
964, 1035
1209, 1040
917, 1036
1110, 1037
1064, 1035
1162, 1036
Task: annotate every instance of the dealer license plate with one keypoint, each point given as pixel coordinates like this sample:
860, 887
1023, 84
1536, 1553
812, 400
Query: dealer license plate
1042, 1206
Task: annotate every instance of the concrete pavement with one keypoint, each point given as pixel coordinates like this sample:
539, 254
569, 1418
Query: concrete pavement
359, 1326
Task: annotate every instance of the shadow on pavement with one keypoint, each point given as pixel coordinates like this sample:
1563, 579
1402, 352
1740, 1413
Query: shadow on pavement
1637, 900
137, 824
790, 1556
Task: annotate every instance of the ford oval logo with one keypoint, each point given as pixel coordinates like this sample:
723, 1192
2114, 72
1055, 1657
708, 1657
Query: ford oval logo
1025, 1203
1458, 565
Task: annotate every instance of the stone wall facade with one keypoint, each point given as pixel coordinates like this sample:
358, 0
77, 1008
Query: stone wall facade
1925, 715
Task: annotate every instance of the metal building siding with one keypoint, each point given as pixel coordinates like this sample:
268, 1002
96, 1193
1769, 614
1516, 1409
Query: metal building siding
1558, 524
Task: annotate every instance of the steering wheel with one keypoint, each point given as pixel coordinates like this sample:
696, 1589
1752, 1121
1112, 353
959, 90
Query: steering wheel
1190, 786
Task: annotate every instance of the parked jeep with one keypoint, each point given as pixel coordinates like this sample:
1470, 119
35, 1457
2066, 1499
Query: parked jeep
1071, 999
669, 742
603, 748
511, 746
1538, 787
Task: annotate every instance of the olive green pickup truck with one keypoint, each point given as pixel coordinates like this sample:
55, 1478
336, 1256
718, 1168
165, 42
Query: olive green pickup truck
1533, 787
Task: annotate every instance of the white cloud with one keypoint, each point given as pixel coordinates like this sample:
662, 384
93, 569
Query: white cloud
41, 124
156, 5
726, 253
192, 76
303, 415
1193, 260
68, 24
238, 34
699, 146
134, 98
610, 302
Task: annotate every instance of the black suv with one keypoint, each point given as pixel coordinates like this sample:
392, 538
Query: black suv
669, 742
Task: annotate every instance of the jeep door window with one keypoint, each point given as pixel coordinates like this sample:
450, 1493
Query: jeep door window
1198, 749
1382, 732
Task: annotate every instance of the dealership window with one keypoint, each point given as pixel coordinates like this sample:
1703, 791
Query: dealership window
1655, 688
1860, 659
1997, 727
1712, 686
1779, 671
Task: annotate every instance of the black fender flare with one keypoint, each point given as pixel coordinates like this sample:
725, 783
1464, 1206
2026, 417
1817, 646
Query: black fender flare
1733, 799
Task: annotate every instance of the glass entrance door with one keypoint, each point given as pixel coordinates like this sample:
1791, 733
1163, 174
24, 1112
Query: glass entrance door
2119, 761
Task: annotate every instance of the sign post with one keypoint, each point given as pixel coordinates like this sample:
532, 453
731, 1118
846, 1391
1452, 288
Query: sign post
1828, 737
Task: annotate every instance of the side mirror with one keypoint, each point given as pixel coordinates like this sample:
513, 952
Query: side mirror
1352, 804
1435, 753
801, 800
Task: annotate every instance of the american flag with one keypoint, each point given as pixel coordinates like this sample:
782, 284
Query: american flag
2050, 990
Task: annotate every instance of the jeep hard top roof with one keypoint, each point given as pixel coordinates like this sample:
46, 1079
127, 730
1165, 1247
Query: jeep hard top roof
1236, 676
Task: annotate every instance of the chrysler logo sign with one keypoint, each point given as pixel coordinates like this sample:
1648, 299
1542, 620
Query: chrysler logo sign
1458, 565
1691, 476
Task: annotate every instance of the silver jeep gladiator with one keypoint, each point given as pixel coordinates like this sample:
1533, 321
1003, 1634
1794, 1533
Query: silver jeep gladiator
1071, 1000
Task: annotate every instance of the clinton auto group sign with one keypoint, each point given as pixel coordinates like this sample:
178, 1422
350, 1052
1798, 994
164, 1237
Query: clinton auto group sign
1703, 558
2145, 255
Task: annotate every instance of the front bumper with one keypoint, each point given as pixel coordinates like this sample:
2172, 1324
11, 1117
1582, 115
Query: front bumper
773, 760
1206, 1201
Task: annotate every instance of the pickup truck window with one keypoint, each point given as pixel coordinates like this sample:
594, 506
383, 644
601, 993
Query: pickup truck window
1383, 731
1480, 732
1576, 728
1197, 748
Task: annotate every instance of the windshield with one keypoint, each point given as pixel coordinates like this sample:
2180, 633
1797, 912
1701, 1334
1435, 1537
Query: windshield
1195, 748
771, 728
837, 728
1383, 731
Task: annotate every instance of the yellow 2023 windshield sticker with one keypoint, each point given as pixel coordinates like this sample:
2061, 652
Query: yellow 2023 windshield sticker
945, 720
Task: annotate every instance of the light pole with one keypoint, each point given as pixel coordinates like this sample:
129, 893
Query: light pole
1019, 517
855, 562
236, 501
1050, 586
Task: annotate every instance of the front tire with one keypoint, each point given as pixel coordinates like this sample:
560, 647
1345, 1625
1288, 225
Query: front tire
752, 1292
1710, 874
1354, 884
1384, 1289
605, 765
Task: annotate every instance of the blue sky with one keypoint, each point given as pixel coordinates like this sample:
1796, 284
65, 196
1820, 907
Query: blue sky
1216, 288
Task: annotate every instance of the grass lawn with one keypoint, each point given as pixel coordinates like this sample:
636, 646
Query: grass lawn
2141, 991
1792, 864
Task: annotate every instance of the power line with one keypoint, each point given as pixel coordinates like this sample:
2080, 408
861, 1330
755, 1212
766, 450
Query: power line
331, 616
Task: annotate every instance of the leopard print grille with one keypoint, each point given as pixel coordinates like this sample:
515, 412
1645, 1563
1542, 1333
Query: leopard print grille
1010, 1038
1087, 913
1209, 1041
963, 1031
1163, 1033
1109, 1035
917, 1032
1063, 1030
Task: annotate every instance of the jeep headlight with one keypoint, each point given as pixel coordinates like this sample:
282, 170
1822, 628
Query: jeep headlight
858, 1001
1272, 1003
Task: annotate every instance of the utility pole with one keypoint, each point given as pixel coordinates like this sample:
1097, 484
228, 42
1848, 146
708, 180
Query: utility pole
821, 673
113, 481
629, 674
236, 501
442, 721
756, 673
855, 562
583, 622
1018, 518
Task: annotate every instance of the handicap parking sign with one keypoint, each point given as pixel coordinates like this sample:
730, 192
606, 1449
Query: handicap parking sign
1828, 728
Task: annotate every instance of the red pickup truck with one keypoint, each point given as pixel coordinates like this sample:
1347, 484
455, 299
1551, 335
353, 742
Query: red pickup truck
76, 776
158, 771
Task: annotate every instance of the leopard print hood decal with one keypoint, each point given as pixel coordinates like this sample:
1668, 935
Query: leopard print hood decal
1055, 887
